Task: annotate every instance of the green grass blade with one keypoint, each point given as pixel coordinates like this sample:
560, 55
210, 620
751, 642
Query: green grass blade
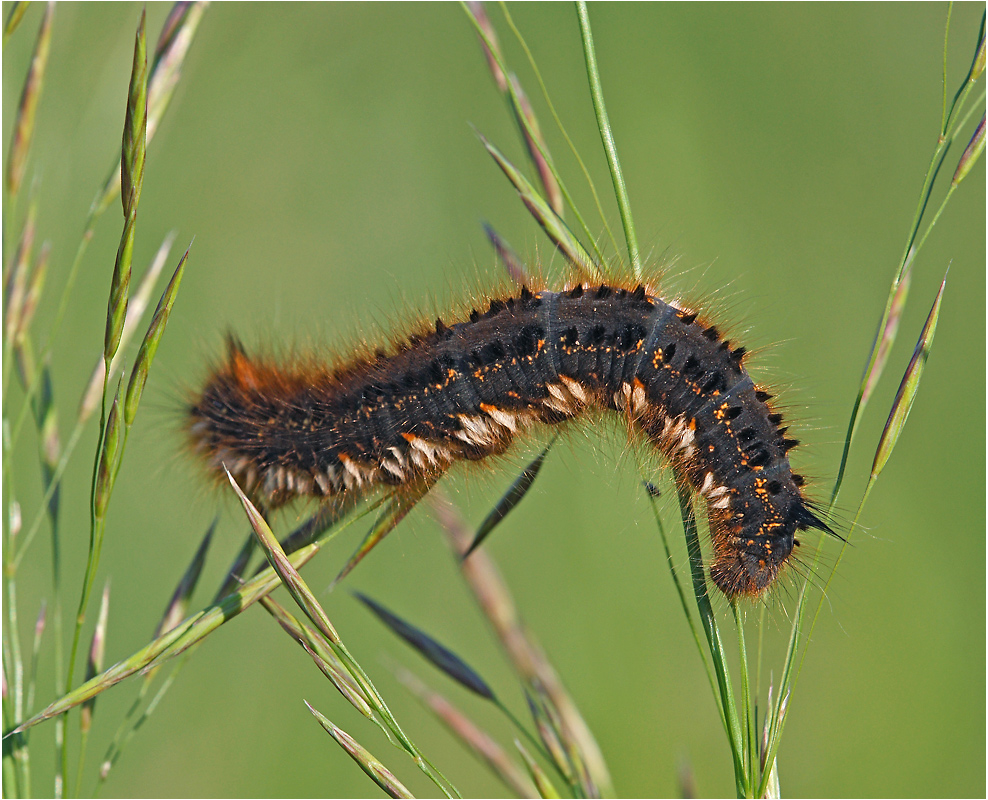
20, 141
714, 642
306, 600
607, 138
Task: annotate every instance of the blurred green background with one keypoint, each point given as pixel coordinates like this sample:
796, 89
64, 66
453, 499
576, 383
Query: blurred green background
322, 157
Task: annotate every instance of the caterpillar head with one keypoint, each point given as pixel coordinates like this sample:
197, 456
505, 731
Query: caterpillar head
746, 565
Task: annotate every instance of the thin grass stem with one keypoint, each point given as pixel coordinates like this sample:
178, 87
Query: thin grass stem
607, 137
686, 611
750, 737
714, 642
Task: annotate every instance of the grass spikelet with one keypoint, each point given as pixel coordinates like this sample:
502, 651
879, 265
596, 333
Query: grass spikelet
32, 296
973, 150
528, 124
170, 51
119, 291
97, 652
509, 258
906, 395
135, 311
553, 225
440, 656
327, 663
886, 336
478, 740
145, 356
549, 735
542, 783
134, 149
511, 498
173, 45
133, 152
179, 604
282, 565
20, 142
488, 41
307, 601
535, 144
40, 623
375, 770
14, 17
953, 120
16, 277
108, 459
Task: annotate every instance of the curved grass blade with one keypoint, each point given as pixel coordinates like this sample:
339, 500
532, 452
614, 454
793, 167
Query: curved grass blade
509, 499
653, 495
306, 600
327, 663
440, 656
715, 644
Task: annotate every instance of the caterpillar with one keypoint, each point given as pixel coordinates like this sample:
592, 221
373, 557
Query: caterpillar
465, 390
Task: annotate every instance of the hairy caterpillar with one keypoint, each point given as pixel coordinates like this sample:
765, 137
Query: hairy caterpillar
464, 390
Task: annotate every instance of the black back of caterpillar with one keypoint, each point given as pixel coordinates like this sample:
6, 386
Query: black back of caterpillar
467, 388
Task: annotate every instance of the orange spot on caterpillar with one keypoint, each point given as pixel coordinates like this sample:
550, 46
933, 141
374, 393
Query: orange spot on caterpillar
465, 390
